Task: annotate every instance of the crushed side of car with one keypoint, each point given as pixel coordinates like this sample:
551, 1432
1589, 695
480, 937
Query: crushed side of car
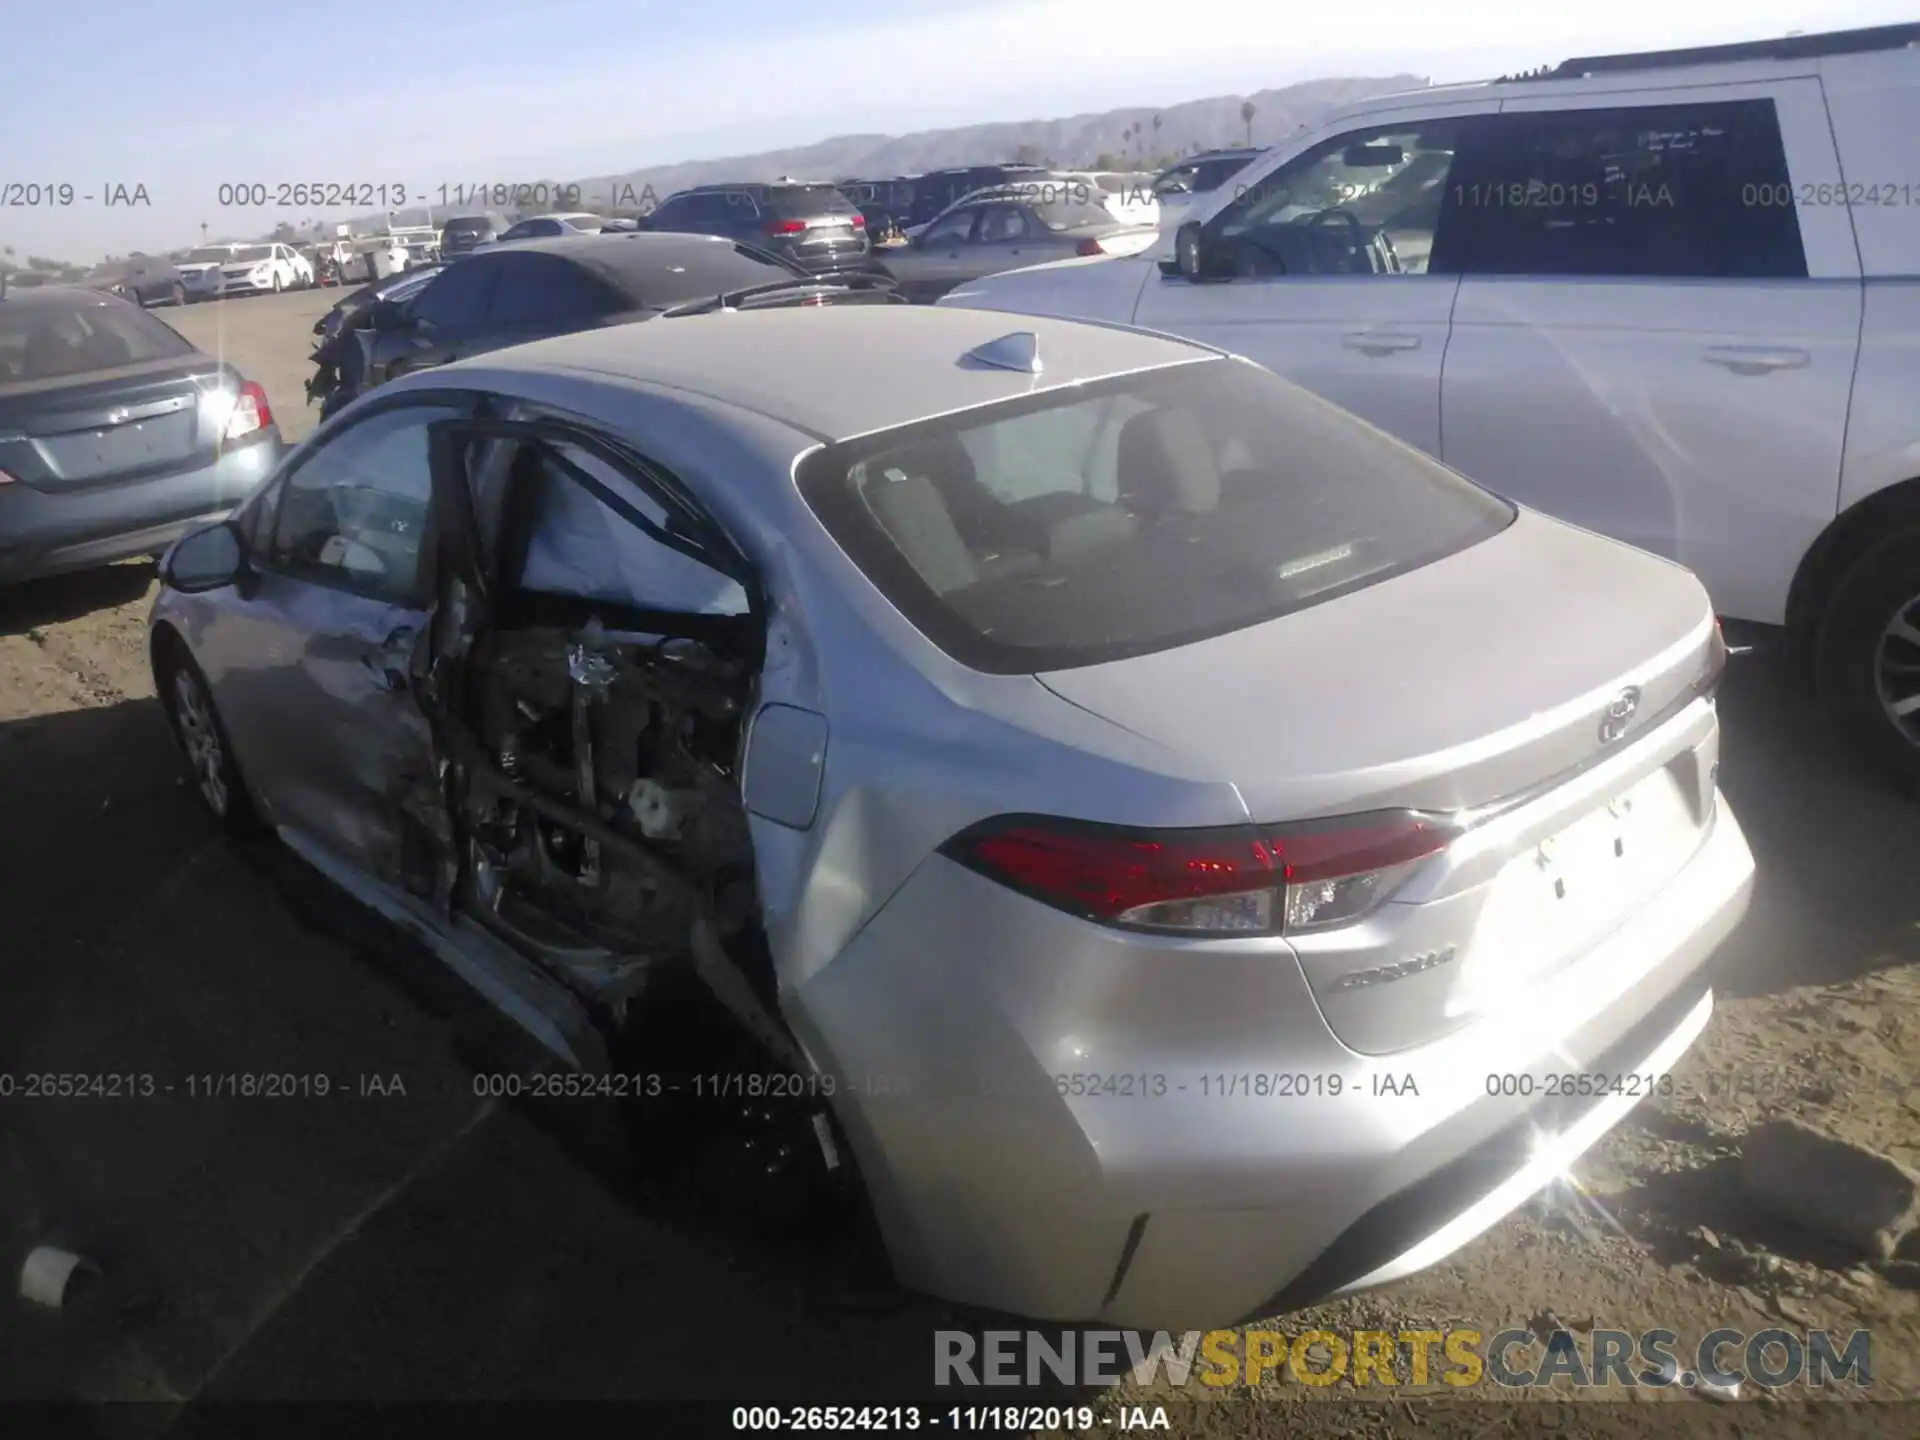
584, 806
590, 754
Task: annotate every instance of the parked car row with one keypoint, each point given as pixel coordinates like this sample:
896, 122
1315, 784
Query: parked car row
927, 232
213, 271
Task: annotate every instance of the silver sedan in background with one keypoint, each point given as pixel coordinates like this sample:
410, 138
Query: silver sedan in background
1175, 835
1011, 227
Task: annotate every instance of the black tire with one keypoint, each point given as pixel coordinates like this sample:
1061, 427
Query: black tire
1859, 669
179, 294
205, 750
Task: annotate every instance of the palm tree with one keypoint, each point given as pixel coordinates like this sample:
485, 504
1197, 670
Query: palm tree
1246, 118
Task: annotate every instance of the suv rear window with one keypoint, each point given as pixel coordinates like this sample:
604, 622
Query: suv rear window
1098, 522
799, 202
49, 339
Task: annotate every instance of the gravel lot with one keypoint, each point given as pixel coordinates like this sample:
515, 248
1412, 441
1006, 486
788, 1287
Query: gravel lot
432, 1244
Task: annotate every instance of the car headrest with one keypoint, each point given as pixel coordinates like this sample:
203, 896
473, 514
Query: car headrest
940, 458
909, 508
1164, 465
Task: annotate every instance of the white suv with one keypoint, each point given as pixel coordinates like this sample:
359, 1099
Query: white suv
1671, 297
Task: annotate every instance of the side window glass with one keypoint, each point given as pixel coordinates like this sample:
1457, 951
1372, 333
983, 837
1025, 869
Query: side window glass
457, 296
1364, 203
579, 546
729, 207
354, 513
1003, 224
537, 289
1671, 190
956, 229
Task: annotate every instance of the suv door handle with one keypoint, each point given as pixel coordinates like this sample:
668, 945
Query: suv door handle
1757, 359
1379, 342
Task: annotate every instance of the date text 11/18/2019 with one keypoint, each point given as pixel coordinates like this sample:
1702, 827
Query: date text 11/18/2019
895, 1419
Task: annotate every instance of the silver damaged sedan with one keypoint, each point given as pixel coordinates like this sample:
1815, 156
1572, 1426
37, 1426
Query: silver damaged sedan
1204, 855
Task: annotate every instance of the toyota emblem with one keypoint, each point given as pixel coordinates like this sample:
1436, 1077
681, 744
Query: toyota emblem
1619, 715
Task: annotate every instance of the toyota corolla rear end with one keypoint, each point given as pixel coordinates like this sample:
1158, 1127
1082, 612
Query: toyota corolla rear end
1392, 896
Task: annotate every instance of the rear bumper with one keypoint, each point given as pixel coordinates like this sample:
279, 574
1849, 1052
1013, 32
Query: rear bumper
1246, 1157
48, 533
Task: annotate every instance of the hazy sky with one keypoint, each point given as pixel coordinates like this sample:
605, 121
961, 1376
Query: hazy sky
104, 93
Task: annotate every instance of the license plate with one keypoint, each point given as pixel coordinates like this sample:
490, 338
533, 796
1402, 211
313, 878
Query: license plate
133, 446
1561, 893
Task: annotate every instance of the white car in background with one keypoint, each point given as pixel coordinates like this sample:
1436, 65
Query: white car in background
200, 270
263, 269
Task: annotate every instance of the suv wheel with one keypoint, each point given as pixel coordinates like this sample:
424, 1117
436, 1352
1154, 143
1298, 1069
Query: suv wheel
1867, 656
203, 743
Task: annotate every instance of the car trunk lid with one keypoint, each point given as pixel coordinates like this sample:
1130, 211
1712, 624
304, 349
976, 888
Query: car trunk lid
1503, 692
1462, 683
113, 426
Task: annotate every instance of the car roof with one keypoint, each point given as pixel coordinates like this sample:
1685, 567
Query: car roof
637, 262
757, 185
1207, 156
67, 294
890, 364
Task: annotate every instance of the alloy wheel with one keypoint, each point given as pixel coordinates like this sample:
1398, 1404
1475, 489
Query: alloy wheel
1896, 670
200, 739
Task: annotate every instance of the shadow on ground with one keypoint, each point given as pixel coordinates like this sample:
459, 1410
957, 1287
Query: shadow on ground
59, 598
1837, 850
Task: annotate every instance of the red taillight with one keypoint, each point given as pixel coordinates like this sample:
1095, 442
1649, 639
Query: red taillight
1228, 881
5, 478
251, 413
859, 222
786, 227
1090, 247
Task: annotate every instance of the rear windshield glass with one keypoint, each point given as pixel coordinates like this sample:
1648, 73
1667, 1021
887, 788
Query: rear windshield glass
468, 225
46, 340
798, 202
1098, 522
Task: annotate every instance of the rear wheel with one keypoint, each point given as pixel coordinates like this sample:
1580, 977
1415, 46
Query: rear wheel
1867, 657
203, 742
179, 293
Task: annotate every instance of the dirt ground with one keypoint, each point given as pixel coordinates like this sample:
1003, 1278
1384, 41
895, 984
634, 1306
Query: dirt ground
434, 1243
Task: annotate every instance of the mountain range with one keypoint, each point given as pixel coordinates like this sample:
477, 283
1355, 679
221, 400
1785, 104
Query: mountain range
1128, 137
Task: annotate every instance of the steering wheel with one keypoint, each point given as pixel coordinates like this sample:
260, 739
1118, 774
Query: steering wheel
1356, 232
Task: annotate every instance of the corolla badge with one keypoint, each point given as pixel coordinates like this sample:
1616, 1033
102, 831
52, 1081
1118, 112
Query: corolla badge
1619, 715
